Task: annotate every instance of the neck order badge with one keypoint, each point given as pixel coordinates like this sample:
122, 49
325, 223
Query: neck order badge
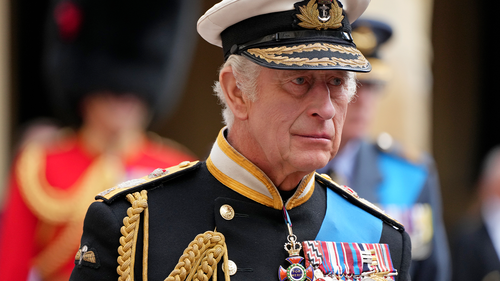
296, 271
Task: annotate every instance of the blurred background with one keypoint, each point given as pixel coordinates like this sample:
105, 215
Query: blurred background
442, 98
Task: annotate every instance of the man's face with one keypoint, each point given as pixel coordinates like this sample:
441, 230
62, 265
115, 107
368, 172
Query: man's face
361, 111
296, 121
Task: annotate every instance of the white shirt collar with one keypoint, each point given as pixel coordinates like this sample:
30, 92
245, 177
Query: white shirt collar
237, 172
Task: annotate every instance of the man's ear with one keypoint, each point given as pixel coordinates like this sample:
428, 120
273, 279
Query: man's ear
235, 99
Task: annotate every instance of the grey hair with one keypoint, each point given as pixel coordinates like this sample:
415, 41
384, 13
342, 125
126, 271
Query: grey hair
352, 85
246, 73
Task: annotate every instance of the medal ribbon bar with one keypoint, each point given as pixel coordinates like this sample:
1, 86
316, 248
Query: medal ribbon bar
349, 261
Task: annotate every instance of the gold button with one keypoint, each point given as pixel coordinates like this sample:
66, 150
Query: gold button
184, 164
231, 266
227, 212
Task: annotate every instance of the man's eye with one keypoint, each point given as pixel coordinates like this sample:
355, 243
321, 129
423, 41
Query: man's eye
336, 81
299, 81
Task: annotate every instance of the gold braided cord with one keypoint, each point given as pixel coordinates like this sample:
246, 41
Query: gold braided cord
59, 208
145, 251
199, 260
128, 241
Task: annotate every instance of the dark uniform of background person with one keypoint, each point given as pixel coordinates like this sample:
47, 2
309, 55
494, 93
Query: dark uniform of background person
251, 205
476, 240
110, 67
403, 182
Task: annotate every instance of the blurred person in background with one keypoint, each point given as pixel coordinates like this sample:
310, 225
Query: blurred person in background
476, 240
402, 182
112, 67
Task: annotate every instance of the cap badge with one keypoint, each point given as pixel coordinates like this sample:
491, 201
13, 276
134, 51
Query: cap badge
327, 16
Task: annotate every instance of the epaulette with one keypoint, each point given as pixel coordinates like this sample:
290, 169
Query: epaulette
155, 178
351, 196
387, 144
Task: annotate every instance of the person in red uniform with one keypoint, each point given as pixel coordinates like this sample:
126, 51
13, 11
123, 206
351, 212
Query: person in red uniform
116, 87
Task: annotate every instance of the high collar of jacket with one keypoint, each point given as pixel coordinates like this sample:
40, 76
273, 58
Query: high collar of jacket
235, 171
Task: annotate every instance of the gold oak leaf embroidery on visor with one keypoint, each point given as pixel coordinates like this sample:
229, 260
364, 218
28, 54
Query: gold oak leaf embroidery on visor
276, 55
309, 15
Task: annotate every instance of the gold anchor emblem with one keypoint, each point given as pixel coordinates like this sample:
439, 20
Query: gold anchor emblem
330, 18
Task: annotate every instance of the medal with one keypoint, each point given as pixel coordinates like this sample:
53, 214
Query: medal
349, 261
296, 271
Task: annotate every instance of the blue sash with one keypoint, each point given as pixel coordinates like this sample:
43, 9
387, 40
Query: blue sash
345, 222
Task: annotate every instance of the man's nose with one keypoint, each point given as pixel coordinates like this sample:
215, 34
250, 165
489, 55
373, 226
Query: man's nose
322, 105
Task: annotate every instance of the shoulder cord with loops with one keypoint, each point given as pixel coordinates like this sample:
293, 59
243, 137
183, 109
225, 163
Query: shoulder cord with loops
198, 262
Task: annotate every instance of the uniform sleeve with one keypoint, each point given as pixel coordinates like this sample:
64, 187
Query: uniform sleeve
400, 248
17, 236
101, 234
437, 266
404, 273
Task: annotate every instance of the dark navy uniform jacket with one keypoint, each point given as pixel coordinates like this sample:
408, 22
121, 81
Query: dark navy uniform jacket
188, 202
474, 255
406, 186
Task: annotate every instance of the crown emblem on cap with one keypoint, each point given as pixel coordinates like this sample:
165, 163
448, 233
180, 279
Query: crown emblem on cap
327, 16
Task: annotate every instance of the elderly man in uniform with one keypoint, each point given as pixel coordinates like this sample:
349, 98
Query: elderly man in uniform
401, 181
256, 209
